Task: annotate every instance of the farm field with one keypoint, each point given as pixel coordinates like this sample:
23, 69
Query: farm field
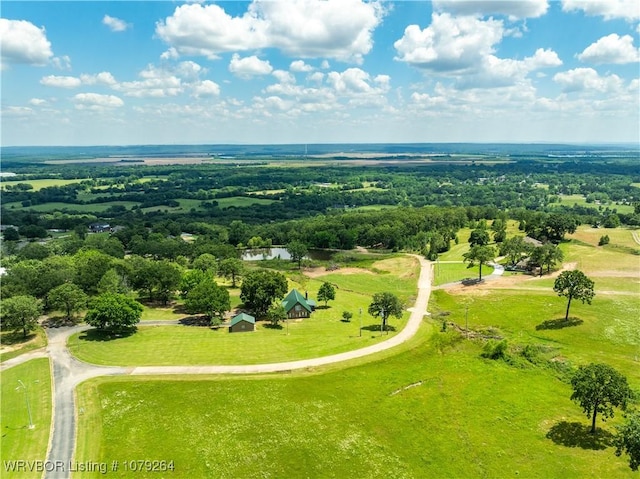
18, 441
39, 184
580, 200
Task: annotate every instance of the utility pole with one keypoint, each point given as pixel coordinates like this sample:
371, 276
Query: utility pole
360, 322
466, 320
26, 397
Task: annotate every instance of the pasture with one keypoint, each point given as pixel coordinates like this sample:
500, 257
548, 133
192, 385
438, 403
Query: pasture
431, 408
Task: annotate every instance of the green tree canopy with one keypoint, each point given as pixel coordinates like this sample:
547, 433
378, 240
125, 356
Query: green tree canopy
513, 248
628, 440
480, 255
384, 305
206, 262
232, 268
20, 313
68, 297
574, 284
297, 250
261, 288
276, 313
479, 237
598, 388
209, 299
112, 311
326, 293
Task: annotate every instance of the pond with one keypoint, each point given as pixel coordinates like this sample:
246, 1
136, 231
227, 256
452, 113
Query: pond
279, 252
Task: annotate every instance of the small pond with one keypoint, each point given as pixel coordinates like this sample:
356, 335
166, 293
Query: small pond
279, 252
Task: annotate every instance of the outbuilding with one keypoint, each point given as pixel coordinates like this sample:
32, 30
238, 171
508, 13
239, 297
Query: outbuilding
242, 323
298, 306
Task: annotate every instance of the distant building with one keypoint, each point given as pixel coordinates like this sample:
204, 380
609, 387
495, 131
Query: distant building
242, 323
99, 227
532, 241
298, 306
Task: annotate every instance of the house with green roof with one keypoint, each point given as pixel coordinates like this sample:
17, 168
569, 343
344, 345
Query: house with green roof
298, 306
242, 323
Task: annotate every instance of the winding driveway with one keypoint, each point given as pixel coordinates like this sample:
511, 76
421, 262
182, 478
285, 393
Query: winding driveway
68, 372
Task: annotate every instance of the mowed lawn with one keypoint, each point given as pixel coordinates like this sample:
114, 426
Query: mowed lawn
322, 334
18, 442
459, 416
13, 344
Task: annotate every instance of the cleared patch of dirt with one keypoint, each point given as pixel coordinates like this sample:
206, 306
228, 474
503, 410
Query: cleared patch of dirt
317, 272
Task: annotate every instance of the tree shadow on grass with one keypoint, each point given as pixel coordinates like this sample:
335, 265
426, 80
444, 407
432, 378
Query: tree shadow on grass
15, 337
195, 321
575, 434
376, 327
102, 335
559, 323
272, 326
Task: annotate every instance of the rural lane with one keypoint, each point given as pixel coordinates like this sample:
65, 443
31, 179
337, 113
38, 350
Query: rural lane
68, 371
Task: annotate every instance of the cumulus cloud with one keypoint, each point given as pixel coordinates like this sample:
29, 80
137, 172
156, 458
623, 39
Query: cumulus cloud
463, 48
205, 88
609, 9
587, 79
115, 24
102, 78
23, 42
96, 101
249, 66
449, 43
611, 49
61, 81
165, 81
37, 102
284, 76
514, 9
340, 29
300, 66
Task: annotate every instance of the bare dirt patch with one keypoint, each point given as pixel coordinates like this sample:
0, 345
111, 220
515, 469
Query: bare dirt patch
317, 272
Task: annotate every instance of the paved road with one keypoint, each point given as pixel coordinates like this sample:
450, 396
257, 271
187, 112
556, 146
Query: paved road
68, 372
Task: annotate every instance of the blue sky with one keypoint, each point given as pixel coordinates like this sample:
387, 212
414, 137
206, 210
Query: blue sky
320, 71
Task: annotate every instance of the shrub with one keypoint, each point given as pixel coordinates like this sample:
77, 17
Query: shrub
603, 240
495, 349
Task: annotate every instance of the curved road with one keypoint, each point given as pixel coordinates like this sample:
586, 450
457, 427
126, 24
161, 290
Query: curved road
68, 372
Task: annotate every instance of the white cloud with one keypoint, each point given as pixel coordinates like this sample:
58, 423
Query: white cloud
587, 79
284, 76
61, 81
249, 66
300, 66
510, 8
450, 43
38, 102
23, 42
609, 9
17, 111
205, 88
462, 48
96, 102
316, 77
62, 63
115, 24
611, 49
340, 29
102, 78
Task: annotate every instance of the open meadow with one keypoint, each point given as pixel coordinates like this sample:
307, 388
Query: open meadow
432, 408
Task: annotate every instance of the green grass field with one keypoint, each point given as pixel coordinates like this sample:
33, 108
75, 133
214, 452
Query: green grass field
322, 334
18, 441
430, 408
580, 200
444, 273
39, 184
463, 417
